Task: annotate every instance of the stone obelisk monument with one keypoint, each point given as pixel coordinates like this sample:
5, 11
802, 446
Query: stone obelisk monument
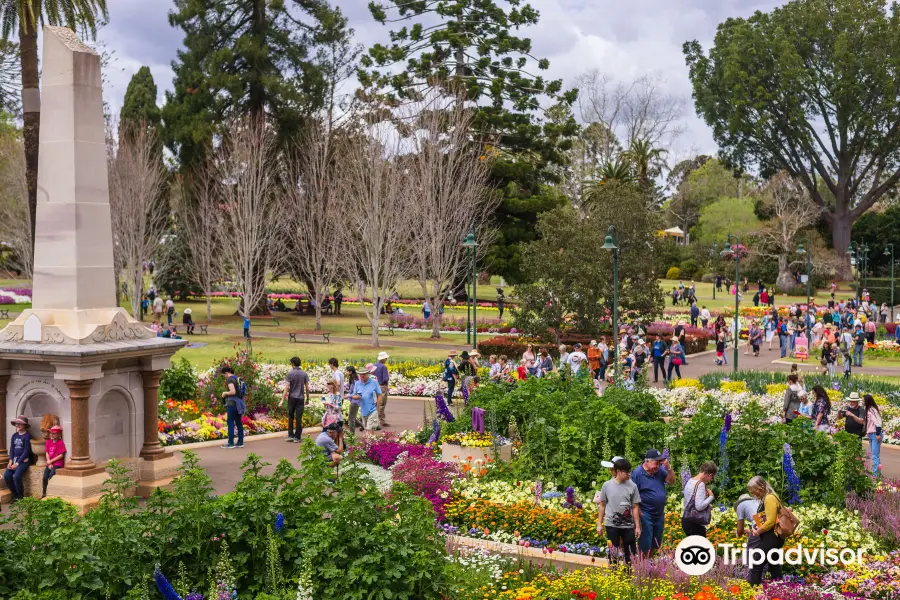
75, 354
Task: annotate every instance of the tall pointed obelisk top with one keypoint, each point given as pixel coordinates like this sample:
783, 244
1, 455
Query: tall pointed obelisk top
74, 295
73, 254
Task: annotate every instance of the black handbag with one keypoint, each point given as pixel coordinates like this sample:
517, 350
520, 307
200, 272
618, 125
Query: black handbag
692, 515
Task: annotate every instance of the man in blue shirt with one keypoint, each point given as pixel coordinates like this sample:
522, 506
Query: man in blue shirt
247, 327
651, 478
660, 350
368, 392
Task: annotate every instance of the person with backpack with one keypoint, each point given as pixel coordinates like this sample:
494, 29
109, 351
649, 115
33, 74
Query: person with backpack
792, 398
772, 523
451, 374
296, 391
19, 458
860, 339
233, 396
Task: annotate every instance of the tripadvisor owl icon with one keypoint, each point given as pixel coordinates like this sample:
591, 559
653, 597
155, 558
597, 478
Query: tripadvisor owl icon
695, 555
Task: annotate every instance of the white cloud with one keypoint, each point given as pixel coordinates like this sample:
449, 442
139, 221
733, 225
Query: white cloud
624, 39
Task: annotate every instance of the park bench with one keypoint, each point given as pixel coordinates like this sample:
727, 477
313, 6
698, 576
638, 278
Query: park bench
390, 328
266, 321
326, 335
4, 313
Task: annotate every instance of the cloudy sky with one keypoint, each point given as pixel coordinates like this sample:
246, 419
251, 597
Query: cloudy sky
625, 39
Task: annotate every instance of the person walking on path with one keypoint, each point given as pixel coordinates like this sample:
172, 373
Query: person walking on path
296, 392
368, 393
651, 479
619, 510
233, 416
676, 358
352, 378
157, 308
860, 344
337, 375
451, 374
697, 500
760, 489
873, 432
384, 381
19, 458
660, 350
170, 309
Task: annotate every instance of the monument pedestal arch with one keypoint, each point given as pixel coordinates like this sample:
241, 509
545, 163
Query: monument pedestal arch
75, 351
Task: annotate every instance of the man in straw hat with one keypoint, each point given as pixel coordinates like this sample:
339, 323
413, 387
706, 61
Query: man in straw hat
19, 458
854, 416
369, 394
188, 321
384, 382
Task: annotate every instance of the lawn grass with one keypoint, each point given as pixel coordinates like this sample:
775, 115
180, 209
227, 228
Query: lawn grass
726, 300
281, 350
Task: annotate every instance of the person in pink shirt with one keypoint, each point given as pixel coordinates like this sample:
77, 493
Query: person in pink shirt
56, 455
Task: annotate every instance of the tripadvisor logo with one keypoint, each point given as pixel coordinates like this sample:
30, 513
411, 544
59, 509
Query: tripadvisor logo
695, 555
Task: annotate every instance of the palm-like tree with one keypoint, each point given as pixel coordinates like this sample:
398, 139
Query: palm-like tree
615, 171
22, 17
646, 160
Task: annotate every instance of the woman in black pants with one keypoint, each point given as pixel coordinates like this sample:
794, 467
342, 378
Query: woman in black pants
699, 498
768, 538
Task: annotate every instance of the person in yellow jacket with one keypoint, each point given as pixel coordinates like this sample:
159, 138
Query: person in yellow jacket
764, 527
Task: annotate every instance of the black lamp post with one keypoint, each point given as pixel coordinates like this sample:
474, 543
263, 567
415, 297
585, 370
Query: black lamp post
735, 251
855, 257
801, 250
472, 331
891, 254
715, 253
611, 243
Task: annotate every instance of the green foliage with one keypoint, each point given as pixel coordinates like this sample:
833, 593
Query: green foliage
178, 382
724, 216
246, 57
811, 88
635, 404
689, 268
172, 277
673, 273
358, 543
877, 230
139, 105
580, 283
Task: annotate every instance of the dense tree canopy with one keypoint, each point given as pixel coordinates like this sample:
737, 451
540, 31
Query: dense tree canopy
245, 56
469, 46
724, 216
810, 88
571, 284
139, 105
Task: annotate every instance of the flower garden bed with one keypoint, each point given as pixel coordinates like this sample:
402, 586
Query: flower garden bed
15, 296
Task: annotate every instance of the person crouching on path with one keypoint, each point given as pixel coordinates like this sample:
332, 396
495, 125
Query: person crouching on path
331, 441
56, 456
651, 479
619, 510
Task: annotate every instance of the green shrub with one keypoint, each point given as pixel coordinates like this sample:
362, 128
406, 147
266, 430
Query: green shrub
635, 404
708, 278
673, 273
178, 382
689, 268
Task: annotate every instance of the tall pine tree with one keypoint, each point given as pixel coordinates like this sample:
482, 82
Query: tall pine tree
140, 105
245, 57
468, 46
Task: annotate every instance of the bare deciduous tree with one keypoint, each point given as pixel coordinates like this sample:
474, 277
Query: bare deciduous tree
250, 203
640, 110
199, 222
139, 211
449, 174
317, 213
794, 211
377, 192
15, 223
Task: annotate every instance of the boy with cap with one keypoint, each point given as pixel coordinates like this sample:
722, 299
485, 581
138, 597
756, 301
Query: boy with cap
623, 519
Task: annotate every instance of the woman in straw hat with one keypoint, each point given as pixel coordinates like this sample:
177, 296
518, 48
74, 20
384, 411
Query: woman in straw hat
19, 458
188, 321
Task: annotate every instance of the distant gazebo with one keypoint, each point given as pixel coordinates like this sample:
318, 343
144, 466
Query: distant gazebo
675, 232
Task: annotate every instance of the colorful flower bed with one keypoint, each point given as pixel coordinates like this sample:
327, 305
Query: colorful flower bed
15, 296
449, 323
209, 427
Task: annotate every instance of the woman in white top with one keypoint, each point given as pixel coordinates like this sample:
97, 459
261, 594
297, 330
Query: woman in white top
529, 357
696, 495
563, 356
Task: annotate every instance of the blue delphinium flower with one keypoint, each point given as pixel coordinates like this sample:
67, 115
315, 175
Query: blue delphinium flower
793, 483
279, 522
163, 585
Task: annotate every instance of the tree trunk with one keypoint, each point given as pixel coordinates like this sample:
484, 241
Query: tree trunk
436, 323
785, 281
318, 315
376, 318
841, 225
208, 306
31, 108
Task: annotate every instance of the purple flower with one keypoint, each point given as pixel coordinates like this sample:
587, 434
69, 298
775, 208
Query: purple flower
163, 585
685, 476
443, 411
436, 432
538, 488
279, 522
727, 426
